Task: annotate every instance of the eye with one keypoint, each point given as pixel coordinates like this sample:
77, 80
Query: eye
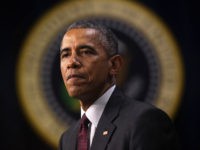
64, 54
86, 50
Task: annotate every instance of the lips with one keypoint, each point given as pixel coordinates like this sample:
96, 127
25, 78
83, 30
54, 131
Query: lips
75, 76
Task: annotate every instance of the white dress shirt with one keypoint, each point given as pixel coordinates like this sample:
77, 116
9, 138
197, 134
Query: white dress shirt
95, 111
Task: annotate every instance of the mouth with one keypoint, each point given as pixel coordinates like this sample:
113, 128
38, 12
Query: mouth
75, 76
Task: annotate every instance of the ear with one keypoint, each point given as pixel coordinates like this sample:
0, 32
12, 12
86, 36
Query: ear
116, 63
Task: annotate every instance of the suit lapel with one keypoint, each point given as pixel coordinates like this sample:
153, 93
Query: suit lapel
106, 128
73, 138
102, 135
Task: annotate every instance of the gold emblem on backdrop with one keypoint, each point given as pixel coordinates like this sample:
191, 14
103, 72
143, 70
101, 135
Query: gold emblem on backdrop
153, 70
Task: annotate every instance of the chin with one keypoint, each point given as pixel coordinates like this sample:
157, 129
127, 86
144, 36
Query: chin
74, 92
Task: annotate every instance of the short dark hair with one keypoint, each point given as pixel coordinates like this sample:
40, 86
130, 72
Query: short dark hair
106, 36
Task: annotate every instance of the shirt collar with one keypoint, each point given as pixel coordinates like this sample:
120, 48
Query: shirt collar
95, 111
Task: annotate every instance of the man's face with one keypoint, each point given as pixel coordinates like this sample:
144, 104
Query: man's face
85, 66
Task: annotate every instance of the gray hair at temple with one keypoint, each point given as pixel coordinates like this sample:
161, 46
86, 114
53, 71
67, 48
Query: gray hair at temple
106, 36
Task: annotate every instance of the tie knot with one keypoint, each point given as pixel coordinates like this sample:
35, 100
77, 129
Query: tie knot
84, 120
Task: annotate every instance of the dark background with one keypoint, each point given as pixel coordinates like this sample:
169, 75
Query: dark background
16, 18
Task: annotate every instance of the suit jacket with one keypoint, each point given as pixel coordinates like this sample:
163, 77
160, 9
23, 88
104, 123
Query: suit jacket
130, 124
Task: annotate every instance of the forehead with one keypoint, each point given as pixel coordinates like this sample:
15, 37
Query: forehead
80, 34
76, 38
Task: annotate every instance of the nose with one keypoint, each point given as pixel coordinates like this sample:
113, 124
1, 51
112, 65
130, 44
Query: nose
73, 62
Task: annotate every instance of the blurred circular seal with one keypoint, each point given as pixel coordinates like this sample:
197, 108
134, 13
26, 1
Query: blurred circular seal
153, 70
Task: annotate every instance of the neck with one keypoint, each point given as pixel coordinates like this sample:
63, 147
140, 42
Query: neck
87, 101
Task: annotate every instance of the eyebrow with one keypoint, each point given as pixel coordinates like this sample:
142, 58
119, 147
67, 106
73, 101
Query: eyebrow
79, 47
85, 46
64, 50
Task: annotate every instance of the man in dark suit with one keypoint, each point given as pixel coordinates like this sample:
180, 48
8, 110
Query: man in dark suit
90, 62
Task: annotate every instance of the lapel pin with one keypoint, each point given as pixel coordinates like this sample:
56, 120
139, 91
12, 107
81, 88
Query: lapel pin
105, 133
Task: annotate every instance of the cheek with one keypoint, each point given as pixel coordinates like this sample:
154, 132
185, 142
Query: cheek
62, 69
99, 72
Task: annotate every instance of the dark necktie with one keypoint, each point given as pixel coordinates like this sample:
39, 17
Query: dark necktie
83, 142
